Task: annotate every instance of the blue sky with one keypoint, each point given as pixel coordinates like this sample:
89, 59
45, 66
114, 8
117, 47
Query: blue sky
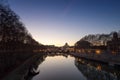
60, 21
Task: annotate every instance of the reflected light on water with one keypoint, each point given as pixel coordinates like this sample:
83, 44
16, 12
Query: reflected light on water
59, 68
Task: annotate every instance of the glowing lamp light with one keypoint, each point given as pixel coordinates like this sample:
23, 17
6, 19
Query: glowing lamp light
98, 51
79, 51
98, 67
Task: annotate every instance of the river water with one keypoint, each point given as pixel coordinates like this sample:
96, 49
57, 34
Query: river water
65, 67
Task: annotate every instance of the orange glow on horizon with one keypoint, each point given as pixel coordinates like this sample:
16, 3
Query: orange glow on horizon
55, 42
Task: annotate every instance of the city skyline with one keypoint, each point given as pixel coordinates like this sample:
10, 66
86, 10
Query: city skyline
55, 22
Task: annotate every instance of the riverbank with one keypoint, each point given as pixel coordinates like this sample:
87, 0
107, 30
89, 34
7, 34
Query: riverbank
10, 60
19, 72
111, 60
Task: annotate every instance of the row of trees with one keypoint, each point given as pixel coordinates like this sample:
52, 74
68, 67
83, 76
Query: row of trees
13, 34
16, 43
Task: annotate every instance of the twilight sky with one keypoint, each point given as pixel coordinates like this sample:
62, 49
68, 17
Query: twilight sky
60, 21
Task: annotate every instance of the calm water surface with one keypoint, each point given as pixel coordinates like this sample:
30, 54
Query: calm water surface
64, 67
59, 68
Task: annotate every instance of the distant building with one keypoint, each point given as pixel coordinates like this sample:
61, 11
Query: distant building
114, 45
99, 43
82, 46
51, 48
66, 45
71, 49
65, 48
86, 47
98, 49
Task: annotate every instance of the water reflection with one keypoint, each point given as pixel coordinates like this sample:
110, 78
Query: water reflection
64, 67
58, 67
97, 71
33, 68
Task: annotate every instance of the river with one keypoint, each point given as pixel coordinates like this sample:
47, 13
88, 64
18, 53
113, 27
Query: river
66, 67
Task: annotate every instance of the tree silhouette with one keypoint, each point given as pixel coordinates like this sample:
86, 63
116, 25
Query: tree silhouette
13, 31
14, 40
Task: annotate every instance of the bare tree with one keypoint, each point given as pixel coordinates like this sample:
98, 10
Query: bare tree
12, 30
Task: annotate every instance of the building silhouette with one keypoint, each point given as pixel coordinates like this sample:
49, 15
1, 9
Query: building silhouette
114, 45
